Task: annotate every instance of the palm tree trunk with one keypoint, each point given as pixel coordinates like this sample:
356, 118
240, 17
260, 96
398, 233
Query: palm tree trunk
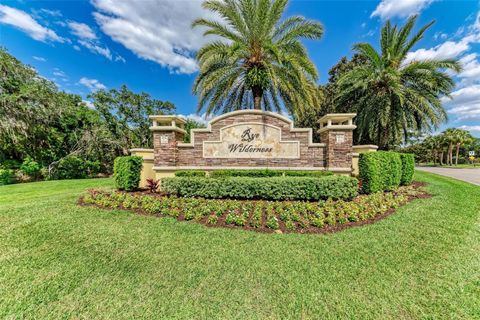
458, 151
450, 153
441, 158
257, 97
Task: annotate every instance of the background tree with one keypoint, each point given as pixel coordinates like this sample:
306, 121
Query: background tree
259, 61
47, 133
191, 124
394, 96
126, 115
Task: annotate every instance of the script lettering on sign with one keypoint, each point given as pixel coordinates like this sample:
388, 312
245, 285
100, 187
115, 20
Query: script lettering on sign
251, 140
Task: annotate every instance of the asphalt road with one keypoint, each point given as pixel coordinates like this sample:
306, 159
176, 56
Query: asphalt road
468, 175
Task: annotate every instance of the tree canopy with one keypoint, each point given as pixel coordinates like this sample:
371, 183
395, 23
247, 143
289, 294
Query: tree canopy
257, 60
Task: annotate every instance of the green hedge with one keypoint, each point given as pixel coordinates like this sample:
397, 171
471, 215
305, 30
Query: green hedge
272, 188
408, 168
253, 173
190, 173
126, 171
7, 176
380, 171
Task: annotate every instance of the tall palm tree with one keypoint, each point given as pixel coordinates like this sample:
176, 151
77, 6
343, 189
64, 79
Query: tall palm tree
450, 138
392, 95
462, 137
257, 60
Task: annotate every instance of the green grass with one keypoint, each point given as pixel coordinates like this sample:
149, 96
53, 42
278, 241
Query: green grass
459, 166
59, 260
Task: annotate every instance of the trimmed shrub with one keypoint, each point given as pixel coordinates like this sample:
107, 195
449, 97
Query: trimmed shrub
274, 188
126, 172
261, 173
190, 173
307, 173
7, 176
408, 168
380, 171
31, 168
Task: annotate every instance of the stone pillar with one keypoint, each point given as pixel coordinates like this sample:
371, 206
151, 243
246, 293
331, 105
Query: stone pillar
168, 131
336, 131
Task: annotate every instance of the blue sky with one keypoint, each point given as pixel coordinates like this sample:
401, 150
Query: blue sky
88, 45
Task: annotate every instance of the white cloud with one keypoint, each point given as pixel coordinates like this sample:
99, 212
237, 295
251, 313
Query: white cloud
89, 104
401, 8
59, 74
82, 30
446, 50
92, 84
440, 35
39, 58
23, 21
76, 47
471, 69
470, 128
159, 31
52, 13
120, 58
465, 103
204, 118
97, 49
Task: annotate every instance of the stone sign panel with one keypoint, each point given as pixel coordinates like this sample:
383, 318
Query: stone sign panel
253, 141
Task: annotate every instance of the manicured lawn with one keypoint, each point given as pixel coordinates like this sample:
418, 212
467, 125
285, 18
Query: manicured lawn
458, 166
59, 260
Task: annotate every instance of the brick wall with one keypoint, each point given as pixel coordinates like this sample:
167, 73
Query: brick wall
310, 155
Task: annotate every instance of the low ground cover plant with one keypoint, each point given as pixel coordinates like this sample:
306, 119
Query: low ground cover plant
260, 215
274, 188
126, 172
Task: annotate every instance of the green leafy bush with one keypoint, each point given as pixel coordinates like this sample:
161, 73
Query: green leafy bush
274, 188
7, 176
380, 171
31, 168
261, 173
126, 171
190, 173
408, 168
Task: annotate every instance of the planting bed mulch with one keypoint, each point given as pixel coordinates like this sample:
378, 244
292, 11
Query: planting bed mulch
260, 215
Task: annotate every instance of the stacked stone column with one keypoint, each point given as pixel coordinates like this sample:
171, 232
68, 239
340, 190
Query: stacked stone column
336, 131
168, 131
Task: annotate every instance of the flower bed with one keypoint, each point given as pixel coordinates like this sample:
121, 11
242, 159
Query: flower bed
266, 216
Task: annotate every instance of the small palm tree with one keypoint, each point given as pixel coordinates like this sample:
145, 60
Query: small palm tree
258, 60
393, 96
461, 138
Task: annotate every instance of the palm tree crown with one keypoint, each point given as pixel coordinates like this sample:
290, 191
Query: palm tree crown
258, 60
392, 95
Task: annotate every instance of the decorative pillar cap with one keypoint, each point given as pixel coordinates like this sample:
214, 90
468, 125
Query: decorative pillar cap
168, 123
337, 121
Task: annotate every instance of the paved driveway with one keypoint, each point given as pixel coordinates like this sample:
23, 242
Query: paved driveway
468, 175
